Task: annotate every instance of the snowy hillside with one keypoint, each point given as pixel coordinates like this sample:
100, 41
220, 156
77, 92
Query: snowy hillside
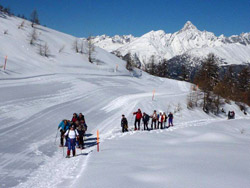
189, 41
24, 59
112, 43
37, 92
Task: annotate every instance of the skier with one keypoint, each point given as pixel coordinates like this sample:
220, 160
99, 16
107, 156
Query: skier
165, 117
74, 118
63, 126
72, 135
154, 119
81, 117
138, 118
160, 121
170, 119
145, 119
81, 130
124, 123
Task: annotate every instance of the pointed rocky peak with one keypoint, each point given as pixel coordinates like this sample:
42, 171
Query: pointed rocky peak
188, 26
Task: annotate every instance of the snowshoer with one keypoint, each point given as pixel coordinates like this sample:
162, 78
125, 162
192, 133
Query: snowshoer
72, 135
63, 126
170, 119
82, 128
154, 119
165, 117
145, 119
81, 117
138, 118
74, 118
124, 123
160, 121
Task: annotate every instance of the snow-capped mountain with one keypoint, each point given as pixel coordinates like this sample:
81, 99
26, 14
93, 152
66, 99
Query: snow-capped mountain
189, 41
112, 43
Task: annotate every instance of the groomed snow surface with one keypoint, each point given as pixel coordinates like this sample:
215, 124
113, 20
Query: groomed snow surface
36, 93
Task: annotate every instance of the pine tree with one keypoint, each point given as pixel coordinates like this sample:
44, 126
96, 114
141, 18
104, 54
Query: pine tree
34, 18
207, 78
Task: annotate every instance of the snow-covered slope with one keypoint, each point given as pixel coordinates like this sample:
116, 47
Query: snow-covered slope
189, 41
24, 59
37, 92
112, 43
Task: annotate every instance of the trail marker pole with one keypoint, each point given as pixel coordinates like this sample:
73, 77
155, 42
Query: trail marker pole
5, 62
97, 140
153, 95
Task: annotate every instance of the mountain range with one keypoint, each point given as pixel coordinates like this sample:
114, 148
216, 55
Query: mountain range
188, 45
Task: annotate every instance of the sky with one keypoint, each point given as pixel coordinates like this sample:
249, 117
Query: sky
82, 18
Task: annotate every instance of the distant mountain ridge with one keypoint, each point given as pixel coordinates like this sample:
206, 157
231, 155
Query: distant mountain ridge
188, 41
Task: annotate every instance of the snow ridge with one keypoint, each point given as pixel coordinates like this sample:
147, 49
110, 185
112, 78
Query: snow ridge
189, 40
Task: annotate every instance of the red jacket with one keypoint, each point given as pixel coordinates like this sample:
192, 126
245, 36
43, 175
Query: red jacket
74, 119
138, 114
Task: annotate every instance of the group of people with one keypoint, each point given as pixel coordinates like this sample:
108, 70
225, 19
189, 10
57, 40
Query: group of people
158, 120
73, 132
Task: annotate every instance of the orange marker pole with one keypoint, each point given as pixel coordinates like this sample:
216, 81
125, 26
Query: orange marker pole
6, 57
153, 95
97, 140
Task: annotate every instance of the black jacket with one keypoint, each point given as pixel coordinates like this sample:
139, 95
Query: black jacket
145, 118
124, 122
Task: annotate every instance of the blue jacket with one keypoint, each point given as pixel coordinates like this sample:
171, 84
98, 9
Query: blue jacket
63, 127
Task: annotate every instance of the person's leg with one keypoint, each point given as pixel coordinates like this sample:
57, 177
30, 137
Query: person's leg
135, 124
74, 146
61, 139
69, 147
139, 124
81, 141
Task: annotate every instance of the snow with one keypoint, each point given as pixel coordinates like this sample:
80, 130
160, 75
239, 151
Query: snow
201, 150
188, 40
191, 155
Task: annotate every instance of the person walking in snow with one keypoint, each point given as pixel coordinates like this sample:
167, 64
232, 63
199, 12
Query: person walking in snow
138, 118
154, 119
165, 117
81, 117
160, 121
72, 135
82, 128
124, 123
170, 119
63, 127
145, 119
74, 118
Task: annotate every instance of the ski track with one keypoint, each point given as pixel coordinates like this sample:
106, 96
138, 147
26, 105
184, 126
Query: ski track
48, 169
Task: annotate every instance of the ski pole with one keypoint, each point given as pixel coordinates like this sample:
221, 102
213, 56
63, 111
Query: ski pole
56, 136
63, 150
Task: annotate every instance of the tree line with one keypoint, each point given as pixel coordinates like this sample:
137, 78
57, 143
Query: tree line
213, 87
